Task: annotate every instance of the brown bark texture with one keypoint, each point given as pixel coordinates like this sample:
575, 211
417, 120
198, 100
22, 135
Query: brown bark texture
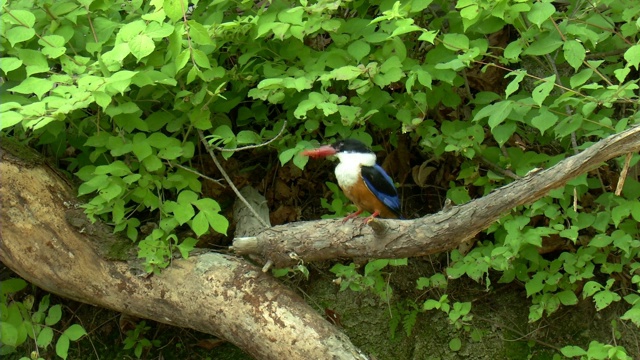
389, 239
212, 293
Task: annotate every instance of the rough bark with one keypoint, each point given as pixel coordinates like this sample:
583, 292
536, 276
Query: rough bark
213, 293
387, 239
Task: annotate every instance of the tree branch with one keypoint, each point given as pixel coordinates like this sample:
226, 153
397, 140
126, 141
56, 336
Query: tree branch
212, 293
330, 239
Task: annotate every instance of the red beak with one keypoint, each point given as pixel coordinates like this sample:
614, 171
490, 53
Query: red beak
322, 151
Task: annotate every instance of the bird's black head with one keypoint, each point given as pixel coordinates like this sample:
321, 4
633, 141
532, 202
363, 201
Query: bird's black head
352, 146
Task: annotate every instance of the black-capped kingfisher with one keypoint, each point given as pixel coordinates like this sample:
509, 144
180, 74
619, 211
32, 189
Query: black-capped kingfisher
363, 181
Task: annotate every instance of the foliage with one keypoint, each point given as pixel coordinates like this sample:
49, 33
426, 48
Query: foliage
137, 341
519, 85
19, 321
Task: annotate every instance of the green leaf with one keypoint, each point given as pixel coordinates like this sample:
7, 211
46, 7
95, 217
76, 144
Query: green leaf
375, 265
540, 12
198, 33
62, 346
8, 64
545, 120
359, 49
456, 42
33, 85
200, 224
19, 34
20, 17
567, 297
500, 112
54, 315
536, 284
455, 344
502, 133
573, 351
543, 90
186, 246
8, 334
632, 56
574, 53
514, 85
10, 118
44, 337
141, 46
347, 73
173, 9
632, 314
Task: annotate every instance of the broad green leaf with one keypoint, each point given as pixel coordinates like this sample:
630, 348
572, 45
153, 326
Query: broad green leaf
201, 59
54, 315
198, 33
544, 46
375, 265
10, 118
540, 12
347, 73
545, 120
200, 224
141, 46
359, 49
174, 8
62, 346
513, 50
632, 56
574, 53
502, 133
20, 17
543, 90
455, 344
8, 333
514, 85
456, 42
186, 246
573, 351
33, 85
567, 297
500, 112
580, 78
44, 337
632, 314
75, 332
8, 64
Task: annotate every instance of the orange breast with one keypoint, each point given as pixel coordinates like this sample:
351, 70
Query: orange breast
364, 199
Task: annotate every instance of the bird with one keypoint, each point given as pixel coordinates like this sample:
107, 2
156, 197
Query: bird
363, 181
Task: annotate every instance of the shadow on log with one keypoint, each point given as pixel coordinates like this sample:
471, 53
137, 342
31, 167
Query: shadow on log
212, 293
390, 239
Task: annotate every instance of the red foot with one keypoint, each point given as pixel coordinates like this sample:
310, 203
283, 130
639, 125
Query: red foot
369, 219
351, 216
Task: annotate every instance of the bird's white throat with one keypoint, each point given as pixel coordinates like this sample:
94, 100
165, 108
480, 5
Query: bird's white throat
348, 170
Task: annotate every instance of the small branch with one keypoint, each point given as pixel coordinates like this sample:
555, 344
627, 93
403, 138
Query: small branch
323, 240
228, 179
623, 174
284, 125
217, 182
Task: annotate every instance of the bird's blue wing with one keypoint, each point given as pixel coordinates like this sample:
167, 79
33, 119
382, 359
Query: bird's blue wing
381, 185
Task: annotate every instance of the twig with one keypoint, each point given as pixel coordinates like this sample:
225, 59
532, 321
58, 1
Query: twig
495, 167
623, 174
217, 182
226, 177
284, 125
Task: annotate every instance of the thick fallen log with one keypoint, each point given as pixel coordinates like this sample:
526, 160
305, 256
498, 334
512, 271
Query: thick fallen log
389, 239
212, 293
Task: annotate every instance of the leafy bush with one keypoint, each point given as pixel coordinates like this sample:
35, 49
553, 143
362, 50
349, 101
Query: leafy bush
118, 91
20, 322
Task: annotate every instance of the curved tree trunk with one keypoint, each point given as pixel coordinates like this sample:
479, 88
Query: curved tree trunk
212, 293
390, 239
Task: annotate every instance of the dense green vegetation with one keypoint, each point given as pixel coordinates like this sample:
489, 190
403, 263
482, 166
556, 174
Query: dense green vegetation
117, 92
